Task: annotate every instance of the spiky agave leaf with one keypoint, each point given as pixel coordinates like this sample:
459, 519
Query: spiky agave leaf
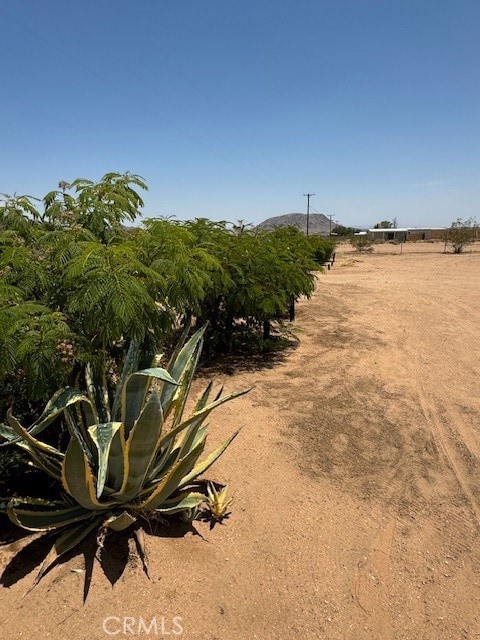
55, 407
119, 521
78, 480
52, 465
26, 435
140, 447
36, 515
136, 390
170, 482
182, 502
68, 540
185, 373
98, 394
166, 444
207, 463
102, 435
129, 367
179, 368
117, 460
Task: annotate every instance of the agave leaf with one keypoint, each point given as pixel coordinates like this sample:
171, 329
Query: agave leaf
78, 480
76, 429
170, 450
180, 344
135, 393
64, 543
177, 366
119, 522
8, 434
198, 417
49, 464
58, 403
141, 447
185, 381
182, 502
171, 480
55, 406
200, 435
157, 372
26, 435
168, 455
36, 516
207, 463
117, 459
87, 414
202, 401
129, 367
190, 436
98, 394
166, 443
162, 463
102, 435
177, 369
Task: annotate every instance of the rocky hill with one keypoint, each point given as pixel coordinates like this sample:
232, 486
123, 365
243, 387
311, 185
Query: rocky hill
317, 223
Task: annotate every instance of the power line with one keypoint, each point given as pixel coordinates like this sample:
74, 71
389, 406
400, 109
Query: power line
308, 196
330, 215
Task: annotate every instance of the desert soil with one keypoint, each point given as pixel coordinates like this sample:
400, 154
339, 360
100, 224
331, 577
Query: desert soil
356, 479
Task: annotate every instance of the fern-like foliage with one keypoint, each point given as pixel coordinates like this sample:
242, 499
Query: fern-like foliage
100, 208
109, 293
188, 270
29, 336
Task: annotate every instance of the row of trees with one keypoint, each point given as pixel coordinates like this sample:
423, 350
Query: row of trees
78, 286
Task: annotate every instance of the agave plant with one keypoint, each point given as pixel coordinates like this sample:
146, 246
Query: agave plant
218, 502
138, 456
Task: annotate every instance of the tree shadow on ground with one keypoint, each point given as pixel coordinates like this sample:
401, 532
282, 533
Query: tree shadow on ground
241, 360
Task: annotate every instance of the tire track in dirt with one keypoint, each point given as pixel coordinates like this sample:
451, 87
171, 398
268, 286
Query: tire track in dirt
449, 444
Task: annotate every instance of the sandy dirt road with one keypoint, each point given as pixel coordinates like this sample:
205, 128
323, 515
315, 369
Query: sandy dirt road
356, 480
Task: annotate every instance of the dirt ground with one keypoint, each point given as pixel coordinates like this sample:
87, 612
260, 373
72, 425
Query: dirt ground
356, 480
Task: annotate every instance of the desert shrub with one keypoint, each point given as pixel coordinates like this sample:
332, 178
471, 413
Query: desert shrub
362, 243
461, 233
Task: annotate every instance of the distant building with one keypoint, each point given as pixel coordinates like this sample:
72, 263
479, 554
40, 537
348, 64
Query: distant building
408, 234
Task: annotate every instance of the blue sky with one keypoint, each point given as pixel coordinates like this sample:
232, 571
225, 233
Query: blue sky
233, 109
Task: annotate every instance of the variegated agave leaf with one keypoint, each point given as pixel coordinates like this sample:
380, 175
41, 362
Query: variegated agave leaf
37, 515
102, 435
135, 393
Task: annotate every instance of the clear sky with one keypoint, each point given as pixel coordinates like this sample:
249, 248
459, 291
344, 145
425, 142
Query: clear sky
233, 109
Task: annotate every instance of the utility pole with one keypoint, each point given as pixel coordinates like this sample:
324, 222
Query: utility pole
330, 215
308, 195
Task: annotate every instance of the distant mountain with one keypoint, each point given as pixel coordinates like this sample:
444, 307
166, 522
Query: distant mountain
317, 222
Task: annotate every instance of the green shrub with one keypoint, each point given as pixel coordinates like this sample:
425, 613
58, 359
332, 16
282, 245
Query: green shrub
461, 233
